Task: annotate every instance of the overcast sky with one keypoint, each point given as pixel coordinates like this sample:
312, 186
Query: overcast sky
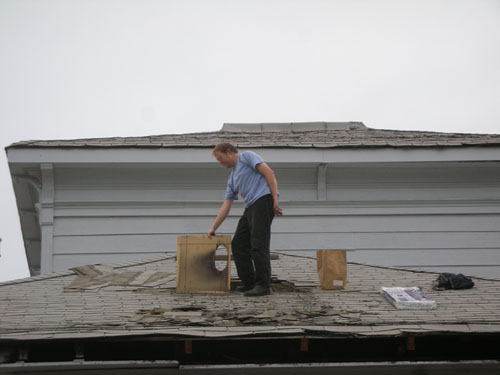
101, 68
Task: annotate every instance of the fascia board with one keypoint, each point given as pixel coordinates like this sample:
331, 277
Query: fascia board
275, 155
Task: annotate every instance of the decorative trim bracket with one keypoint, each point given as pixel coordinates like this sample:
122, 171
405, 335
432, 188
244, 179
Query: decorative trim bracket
322, 190
46, 217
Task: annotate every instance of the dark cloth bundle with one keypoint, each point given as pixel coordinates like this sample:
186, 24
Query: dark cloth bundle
452, 281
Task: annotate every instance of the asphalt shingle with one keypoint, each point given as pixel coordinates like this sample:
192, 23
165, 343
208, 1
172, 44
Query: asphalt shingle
46, 307
284, 135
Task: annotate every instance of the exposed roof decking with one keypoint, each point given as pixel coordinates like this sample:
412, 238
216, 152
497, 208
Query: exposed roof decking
40, 308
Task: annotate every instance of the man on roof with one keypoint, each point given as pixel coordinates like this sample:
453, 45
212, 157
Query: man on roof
255, 182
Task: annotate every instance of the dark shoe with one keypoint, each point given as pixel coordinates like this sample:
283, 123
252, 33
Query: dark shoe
258, 290
243, 288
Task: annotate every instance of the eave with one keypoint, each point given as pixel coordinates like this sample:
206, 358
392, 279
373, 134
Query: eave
272, 155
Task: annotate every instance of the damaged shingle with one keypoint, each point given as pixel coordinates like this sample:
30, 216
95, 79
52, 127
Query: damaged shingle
100, 276
200, 315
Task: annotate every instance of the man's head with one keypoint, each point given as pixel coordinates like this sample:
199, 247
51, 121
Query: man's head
226, 154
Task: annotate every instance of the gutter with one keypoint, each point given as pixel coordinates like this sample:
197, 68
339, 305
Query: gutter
173, 367
80, 365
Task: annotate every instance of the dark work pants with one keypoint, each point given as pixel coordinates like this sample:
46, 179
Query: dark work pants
251, 241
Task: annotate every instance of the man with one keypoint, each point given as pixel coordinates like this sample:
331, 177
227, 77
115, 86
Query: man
251, 178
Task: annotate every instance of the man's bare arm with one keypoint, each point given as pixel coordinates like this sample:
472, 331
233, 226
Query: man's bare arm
221, 216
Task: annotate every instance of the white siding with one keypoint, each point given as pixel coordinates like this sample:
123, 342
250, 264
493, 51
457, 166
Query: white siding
437, 216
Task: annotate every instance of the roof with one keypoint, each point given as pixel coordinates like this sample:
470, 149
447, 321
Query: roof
139, 299
281, 135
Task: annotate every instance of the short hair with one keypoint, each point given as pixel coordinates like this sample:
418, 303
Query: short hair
223, 147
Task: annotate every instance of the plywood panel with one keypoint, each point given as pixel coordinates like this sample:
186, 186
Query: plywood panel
196, 269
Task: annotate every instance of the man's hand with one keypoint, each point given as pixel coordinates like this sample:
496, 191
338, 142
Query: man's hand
276, 207
210, 233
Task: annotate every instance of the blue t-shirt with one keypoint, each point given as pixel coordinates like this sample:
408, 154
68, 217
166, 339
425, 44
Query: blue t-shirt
246, 180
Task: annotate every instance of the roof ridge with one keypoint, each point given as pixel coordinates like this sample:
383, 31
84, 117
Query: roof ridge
265, 127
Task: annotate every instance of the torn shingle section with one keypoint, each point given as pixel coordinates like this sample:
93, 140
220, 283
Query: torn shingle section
100, 276
282, 135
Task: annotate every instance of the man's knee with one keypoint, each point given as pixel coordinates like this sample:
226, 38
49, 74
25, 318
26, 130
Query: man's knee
261, 243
